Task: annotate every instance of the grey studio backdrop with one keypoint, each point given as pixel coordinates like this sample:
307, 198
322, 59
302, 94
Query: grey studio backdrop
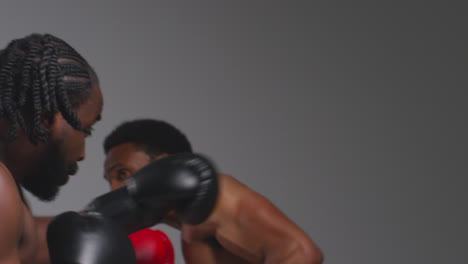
350, 117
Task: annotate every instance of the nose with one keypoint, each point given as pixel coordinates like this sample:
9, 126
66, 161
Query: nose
82, 155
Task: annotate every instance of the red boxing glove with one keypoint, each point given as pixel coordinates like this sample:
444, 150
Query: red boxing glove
152, 247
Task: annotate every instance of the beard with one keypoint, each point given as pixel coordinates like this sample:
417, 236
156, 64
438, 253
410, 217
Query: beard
51, 173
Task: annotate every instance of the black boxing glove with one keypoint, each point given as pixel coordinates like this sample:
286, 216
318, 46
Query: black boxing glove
88, 239
186, 183
125, 211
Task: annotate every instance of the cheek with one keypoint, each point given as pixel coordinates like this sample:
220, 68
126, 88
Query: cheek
75, 143
116, 185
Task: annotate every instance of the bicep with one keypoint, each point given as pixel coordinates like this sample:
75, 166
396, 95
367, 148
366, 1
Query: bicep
195, 253
283, 241
255, 228
203, 252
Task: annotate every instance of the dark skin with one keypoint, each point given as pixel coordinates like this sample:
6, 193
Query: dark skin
244, 227
22, 236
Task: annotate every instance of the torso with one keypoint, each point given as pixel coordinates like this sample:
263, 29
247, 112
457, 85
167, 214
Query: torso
18, 238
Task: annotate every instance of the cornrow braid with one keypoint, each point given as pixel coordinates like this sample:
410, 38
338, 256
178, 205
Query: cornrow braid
41, 75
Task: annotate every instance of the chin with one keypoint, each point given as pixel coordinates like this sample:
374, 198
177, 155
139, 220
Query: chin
46, 182
42, 191
49, 196
44, 197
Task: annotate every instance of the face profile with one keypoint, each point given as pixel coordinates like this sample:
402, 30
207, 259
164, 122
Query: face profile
65, 149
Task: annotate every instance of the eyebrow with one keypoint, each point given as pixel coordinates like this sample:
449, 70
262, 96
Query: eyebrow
98, 118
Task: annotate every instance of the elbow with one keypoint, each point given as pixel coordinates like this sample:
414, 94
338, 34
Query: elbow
312, 254
308, 252
317, 257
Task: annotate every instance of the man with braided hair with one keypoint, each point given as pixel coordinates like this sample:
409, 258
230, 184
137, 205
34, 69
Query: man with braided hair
49, 101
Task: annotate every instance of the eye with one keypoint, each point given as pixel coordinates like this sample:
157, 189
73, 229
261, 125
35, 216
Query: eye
122, 174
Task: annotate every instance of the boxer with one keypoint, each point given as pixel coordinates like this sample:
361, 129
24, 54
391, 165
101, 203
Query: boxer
244, 227
49, 101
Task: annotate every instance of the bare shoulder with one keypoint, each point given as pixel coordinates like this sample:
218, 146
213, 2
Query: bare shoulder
9, 190
252, 204
263, 224
230, 185
12, 214
242, 196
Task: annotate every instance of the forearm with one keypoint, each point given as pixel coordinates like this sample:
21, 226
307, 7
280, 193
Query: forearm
294, 251
208, 252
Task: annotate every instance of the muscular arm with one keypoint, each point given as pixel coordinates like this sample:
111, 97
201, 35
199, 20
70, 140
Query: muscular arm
11, 218
40, 224
249, 226
42, 256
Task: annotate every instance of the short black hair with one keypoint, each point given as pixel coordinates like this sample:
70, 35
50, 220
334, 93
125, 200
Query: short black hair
42, 75
154, 137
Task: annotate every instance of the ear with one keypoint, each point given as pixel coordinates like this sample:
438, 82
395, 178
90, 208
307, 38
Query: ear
55, 125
